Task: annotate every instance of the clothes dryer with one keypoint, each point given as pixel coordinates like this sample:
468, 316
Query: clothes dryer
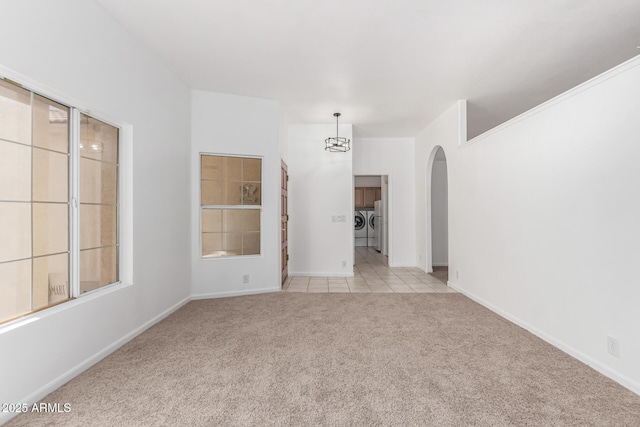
378, 224
371, 228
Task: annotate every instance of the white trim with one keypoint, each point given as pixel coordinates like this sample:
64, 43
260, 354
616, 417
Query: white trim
224, 294
66, 305
280, 220
598, 366
440, 264
51, 93
597, 80
201, 207
125, 193
125, 201
74, 198
427, 199
207, 258
243, 207
90, 361
403, 266
390, 220
319, 274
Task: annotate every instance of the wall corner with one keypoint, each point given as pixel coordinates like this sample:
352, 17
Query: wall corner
462, 121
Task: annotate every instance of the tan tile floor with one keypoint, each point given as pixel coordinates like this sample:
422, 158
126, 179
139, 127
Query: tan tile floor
371, 274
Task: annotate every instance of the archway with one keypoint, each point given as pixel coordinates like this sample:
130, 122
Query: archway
437, 225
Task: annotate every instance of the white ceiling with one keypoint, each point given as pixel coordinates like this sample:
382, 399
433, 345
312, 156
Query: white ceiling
389, 66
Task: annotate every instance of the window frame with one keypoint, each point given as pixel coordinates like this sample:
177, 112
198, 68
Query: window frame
124, 213
202, 207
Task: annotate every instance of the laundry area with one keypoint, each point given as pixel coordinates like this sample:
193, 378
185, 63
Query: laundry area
371, 213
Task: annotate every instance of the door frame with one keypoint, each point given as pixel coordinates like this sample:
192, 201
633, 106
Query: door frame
284, 222
428, 220
389, 212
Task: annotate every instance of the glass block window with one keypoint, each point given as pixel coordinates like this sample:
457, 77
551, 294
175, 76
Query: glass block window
52, 157
230, 205
98, 203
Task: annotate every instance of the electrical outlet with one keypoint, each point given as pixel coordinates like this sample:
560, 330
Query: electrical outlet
613, 346
344, 264
457, 275
245, 278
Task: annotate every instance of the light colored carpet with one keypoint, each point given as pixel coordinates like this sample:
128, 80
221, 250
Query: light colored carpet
339, 360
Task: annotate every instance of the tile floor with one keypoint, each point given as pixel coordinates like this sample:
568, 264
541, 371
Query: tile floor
371, 274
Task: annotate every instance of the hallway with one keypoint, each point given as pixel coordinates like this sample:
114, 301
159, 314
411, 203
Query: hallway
372, 275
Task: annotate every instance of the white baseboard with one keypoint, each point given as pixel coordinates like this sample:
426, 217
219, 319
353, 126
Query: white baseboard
402, 265
603, 369
316, 274
89, 362
225, 294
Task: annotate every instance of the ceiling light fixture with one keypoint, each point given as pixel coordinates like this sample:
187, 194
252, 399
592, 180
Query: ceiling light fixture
338, 143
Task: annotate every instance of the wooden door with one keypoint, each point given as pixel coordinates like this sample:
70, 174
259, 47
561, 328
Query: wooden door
284, 220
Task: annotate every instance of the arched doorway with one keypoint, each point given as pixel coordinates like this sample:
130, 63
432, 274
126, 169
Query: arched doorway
437, 202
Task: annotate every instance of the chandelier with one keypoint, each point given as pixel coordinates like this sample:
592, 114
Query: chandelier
337, 143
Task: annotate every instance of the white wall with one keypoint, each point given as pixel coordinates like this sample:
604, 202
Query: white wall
367, 181
439, 213
393, 157
544, 219
444, 132
320, 189
77, 51
229, 124
284, 144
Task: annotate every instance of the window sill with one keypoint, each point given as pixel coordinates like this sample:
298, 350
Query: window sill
58, 308
207, 258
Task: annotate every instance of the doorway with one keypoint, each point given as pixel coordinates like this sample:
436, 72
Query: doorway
371, 222
438, 215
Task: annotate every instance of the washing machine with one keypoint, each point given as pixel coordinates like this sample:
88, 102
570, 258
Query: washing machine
360, 224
